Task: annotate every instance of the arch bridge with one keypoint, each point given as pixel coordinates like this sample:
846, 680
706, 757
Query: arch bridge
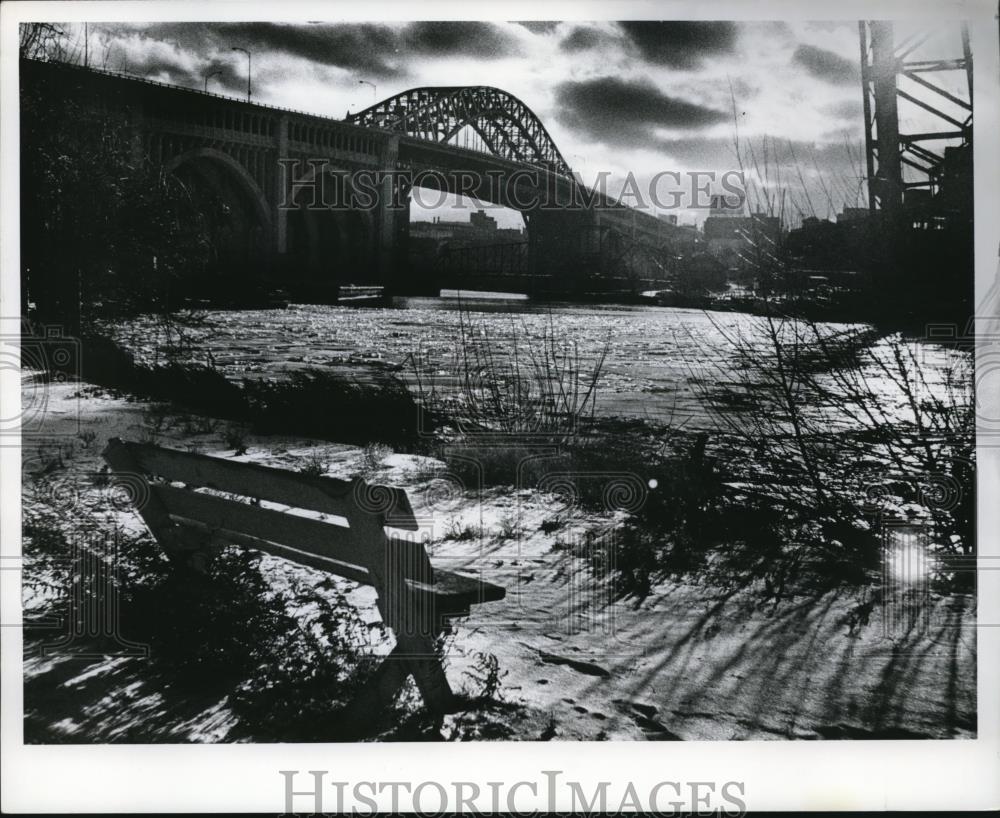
506, 125
267, 163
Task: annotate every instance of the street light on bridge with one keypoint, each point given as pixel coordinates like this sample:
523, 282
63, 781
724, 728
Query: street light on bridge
237, 48
209, 76
374, 89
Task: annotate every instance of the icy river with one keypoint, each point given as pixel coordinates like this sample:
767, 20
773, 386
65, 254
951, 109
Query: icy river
658, 359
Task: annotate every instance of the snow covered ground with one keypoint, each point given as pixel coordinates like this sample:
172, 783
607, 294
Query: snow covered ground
686, 662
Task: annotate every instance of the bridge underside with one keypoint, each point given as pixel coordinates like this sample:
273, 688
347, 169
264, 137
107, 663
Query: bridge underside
573, 247
239, 239
234, 158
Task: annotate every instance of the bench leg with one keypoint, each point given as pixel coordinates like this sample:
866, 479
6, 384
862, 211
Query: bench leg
369, 702
412, 655
425, 665
412, 621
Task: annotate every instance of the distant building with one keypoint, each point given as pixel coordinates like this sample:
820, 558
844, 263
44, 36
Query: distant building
682, 237
852, 214
685, 238
729, 237
728, 205
480, 229
700, 273
480, 220
822, 245
428, 241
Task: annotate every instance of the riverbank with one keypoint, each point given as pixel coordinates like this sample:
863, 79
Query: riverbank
686, 661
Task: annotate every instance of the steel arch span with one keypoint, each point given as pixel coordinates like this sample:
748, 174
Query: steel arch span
506, 125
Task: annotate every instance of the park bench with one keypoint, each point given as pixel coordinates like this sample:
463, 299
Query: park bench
193, 504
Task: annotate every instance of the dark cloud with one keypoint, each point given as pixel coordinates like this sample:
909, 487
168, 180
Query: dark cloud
582, 39
825, 65
374, 50
170, 68
365, 47
161, 68
680, 43
229, 78
620, 112
186, 36
539, 26
459, 37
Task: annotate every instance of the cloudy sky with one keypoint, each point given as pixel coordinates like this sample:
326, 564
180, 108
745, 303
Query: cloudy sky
617, 97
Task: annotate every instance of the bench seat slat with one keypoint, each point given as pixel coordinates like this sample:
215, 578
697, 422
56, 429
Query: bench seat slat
323, 494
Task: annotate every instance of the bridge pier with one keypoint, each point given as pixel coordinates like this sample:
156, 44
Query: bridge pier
388, 231
563, 249
281, 213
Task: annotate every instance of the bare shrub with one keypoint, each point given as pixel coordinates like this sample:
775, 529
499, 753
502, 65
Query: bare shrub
841, 442
455, 529
314, 465
372, 457
523, 384
235, 439
508, 526
487, 676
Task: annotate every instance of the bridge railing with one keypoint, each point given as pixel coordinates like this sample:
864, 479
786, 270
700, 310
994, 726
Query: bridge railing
228, 97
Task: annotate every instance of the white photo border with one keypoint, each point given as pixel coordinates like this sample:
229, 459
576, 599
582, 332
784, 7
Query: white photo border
786, 775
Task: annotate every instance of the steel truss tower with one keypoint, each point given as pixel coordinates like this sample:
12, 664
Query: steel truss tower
898, 163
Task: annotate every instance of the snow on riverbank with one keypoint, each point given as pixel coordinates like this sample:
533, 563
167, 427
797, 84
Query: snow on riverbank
686, 662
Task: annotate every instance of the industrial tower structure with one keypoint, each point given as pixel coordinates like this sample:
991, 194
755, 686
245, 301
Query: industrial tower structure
929, 170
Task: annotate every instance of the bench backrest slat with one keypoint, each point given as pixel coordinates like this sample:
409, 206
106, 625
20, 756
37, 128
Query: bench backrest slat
222, 515
323, 494
297, 555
